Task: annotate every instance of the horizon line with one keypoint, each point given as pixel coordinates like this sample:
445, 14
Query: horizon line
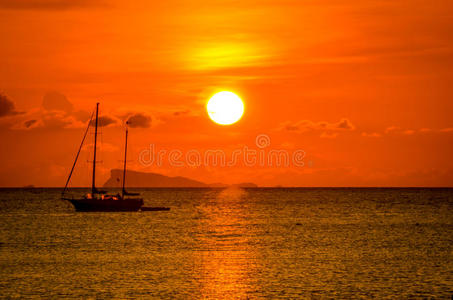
231, 185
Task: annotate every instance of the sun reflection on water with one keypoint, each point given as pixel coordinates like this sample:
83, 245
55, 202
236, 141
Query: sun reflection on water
227, 263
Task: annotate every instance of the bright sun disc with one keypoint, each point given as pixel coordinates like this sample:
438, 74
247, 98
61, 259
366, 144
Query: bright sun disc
225, 108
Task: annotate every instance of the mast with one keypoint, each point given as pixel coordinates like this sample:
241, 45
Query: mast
124, 168
93, 185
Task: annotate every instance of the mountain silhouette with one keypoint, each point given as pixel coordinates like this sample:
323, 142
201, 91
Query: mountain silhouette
143, 179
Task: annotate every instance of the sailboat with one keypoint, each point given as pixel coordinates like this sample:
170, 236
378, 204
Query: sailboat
99, 200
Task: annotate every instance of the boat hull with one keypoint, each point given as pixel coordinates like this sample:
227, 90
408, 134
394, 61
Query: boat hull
93, 205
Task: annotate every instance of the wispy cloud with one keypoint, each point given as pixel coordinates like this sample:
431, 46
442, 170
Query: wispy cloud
307, 125
371, 134
49, 4
397, 130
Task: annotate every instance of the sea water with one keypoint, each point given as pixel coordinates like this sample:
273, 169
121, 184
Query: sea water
231, 244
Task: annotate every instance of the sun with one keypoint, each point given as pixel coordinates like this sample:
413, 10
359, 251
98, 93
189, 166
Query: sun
225, 108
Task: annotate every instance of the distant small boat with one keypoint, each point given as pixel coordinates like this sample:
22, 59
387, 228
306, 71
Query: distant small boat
154, 208
99, 200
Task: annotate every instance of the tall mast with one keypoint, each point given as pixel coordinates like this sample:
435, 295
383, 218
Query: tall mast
93, 185
124, 168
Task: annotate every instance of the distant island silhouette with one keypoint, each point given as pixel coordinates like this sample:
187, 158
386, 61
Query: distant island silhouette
144, 179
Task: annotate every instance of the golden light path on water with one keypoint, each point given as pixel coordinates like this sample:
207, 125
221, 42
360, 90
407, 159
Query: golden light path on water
227, 266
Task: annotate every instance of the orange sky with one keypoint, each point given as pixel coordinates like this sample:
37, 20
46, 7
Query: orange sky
364, 88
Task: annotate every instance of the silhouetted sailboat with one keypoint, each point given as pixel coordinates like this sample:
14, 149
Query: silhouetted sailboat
99, 200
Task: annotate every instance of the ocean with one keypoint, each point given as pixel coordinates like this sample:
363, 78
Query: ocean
272, 243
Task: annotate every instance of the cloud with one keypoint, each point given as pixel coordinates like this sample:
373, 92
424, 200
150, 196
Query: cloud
146, 116
81, 115
48, 4
42, 119
55, 112
30, 123
139, 120
307, 125
56, 119
371, 134
402, 131
104, 121
56, 101
7, 107
327, 135
392, 129
58, 112
345, 124
181, 113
